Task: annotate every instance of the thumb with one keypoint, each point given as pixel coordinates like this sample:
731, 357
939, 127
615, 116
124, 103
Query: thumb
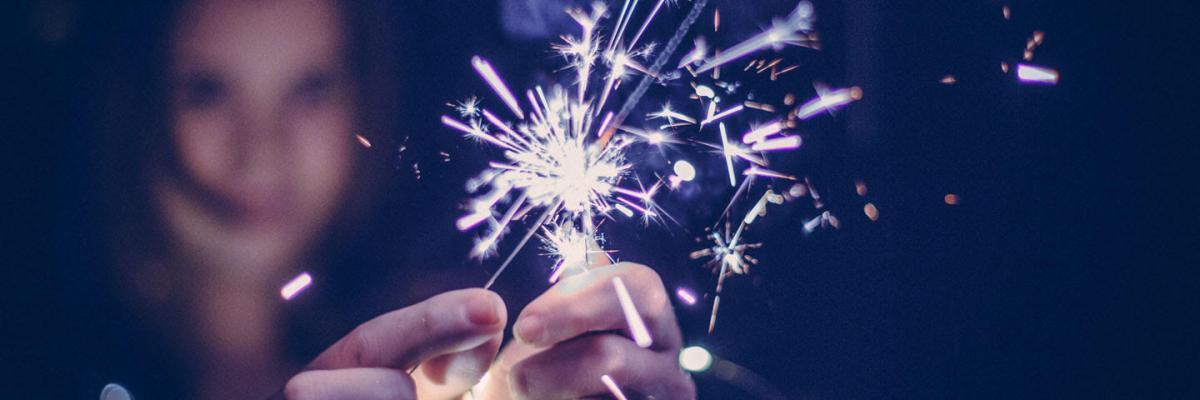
447, 323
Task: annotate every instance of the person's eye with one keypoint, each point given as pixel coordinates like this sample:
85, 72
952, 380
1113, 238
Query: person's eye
315, 89
201, 91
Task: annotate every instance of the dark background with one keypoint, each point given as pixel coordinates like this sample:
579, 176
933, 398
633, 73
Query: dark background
1068, 269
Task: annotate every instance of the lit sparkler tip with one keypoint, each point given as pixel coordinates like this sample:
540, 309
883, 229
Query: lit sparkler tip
295, 286
637, 327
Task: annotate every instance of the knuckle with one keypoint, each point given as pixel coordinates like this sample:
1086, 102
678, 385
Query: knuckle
359, 343
611, 352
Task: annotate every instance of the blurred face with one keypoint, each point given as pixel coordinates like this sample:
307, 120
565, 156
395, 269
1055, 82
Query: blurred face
262, 119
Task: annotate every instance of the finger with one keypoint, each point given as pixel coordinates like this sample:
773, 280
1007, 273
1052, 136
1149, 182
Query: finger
588, 303
574, 368
352, 383
450, 375
447, 323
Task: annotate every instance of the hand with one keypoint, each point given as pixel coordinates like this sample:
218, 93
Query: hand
453, 336
570, 336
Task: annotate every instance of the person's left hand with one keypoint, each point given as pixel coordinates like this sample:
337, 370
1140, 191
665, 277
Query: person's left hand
570, 336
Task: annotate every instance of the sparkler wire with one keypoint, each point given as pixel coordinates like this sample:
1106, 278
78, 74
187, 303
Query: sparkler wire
655, 68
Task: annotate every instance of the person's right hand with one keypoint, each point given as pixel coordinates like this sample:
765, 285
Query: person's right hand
453, 336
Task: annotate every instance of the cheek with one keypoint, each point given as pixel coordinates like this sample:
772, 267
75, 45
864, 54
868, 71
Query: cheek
205, 143
323, 157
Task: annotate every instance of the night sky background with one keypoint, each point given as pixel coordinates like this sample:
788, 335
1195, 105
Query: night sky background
1068, 269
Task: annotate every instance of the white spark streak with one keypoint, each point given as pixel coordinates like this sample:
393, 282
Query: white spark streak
295, 286
793, 30
723, 114
485, 70
686, 296
783, 143
612, 387
762, 132
1036, 74
725, 149
828, 101
637, 327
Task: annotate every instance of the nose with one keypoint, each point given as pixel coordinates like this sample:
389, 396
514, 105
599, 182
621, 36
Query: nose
260, 149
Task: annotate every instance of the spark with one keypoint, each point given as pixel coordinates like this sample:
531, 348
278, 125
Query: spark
726, 150
468, 107
695, 359
485, 70
723, 114
1035, 74
637, 327
684, 170
612, 387
697, 54
569, 245
796, 29
828, 100
871, 211
756, 171
295, 286
762, 132
727, 254
783, 143
671, 115
825, 219
950, 199
363, 141
686, 296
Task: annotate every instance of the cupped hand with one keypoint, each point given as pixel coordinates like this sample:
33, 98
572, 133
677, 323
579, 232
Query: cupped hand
576, 332
453, 338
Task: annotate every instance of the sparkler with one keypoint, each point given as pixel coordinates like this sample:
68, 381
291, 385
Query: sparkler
568, 161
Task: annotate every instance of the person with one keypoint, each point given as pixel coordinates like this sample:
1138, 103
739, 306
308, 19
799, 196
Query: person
258, 166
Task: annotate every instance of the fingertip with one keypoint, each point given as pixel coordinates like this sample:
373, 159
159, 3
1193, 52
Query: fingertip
530, 329
485, 308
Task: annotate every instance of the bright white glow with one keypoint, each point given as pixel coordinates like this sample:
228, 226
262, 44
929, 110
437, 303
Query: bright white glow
684, 170
757, 171
723, 114
793, 30
828, 101
695, 359
686, 296
474, 131
762, 132
725, 149
612, 387
485, 70
1035, 74
295, 286
783, 143
637, 327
